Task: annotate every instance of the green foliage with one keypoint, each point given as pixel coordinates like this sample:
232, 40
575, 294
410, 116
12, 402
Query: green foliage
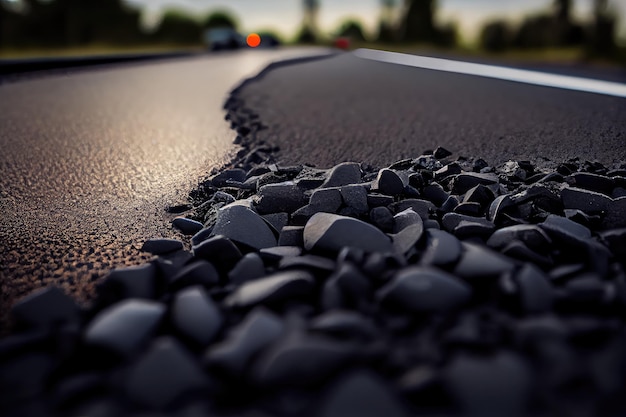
178, 27
351, 29
220, 19
496, 36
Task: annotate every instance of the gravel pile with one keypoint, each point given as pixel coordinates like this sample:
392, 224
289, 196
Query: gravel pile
432, 287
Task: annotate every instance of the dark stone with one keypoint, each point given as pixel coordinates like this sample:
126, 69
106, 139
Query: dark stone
496, 385
355, 197
278, 287
450, 204
201, 236
536, 294
422, 289
451, 220
447, 171
161, 246
332, 232
312, 262
469, 209
199, 272
378, 200
249, 268
195, 315
363, 394
222, 179
462, 183
467, 229
44, 308
421, 207
441, 153
593, 182
531, 235
187, 226
132, 282
408, 230
479, 194
343, 174
326, 199
125, 327
565, 230
276, 220
435, 193
382, 218
259, 329
244, 226
616, 214
518, 250
585, 200
277, 253
291, 236
442, 248
351, 282
281, 197
478, 262
163, 374
344, 324
301, 361
218, 250
388, 182
616, 241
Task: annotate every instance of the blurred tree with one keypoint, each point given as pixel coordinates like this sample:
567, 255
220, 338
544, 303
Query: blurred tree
419, 20
351, 29
178, 27
387, 31
309, 32
551, 30
495, 36
220, 19
602, 34
563, 9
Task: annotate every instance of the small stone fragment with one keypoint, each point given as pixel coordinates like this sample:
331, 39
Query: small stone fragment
278, 287
187, 226
199, 272
536, 294
218, 250
291, 236
281, 197
45, 307
479, 262
388, 182
343, 174
244, 226
161, 246
355, 197
464, 182
195, 315
442, 248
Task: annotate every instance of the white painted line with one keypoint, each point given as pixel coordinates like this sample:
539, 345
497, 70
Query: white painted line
501, 73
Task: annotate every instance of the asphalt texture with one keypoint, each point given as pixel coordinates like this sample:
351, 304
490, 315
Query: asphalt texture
90, 159
350, 109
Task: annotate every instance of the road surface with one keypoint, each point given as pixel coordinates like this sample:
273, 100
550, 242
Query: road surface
91, 158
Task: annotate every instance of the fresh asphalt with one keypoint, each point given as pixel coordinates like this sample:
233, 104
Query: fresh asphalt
91, 159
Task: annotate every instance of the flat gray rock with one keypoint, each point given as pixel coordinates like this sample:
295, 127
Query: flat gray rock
435, 193
259, 329
531, 235
131, 282
422, 289
195, 315
421, 207
451, 220
363, 394
344, 324
199, 272
382, 218
164, 374
332, 232
345, 173
566, 230
278, 287
465, 181
479, 262
585, 200
161, 246
219, 250
499, 206
45, 307
408, 230
326, 199
244, 226
235, 175
126, 326
187, 226
291, 236
281, 197
355, 197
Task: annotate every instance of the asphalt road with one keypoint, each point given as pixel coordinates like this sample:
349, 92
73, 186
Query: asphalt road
349, 108
90, 159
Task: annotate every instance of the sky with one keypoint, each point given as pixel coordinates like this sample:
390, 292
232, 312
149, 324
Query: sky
285, 16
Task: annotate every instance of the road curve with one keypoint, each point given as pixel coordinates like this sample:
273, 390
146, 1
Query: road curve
91, 158
349, 108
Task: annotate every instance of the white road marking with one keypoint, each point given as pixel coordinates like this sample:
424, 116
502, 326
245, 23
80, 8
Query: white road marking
501, 73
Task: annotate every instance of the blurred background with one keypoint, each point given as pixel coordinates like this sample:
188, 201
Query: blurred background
556, 30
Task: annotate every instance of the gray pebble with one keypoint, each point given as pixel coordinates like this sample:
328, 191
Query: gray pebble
382, 218
435, 193
199, 272
464, 182
291, 236
566, 230
533, 236
125, 327
585, 200
132, 282
442, 248
422, 289
355, 197
421, 207
343, 174
281, 197
388, 182
478, 262
536, 294
344, 324
249, 268
45, 307
164, 374
244, 226
195, 315
277, 220
500, 205
281, 286
161, 246
451, 220
218, 250
222, 179
187, 226
277, 253
378, 200
332, 232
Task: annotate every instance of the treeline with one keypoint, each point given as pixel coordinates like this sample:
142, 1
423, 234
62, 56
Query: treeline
71, 23
553, 30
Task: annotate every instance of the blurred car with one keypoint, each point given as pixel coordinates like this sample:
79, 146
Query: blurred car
223, 39
269, 40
